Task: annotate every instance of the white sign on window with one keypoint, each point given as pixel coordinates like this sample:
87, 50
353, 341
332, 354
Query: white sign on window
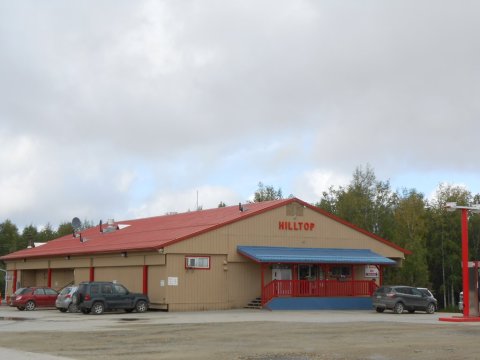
172, 281
371, 271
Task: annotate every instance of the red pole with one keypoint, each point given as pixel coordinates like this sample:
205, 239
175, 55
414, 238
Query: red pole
353, 279
14, 285
262, 267
145, 279
92, 273
49, 277
466, 300
381, 275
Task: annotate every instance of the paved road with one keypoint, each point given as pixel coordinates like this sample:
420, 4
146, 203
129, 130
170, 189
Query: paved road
12, 320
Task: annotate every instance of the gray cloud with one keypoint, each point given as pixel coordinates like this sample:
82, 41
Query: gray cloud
119, 103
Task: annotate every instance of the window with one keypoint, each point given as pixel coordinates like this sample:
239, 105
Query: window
340, 271
120, 290
107, 289
197, 262
50, 292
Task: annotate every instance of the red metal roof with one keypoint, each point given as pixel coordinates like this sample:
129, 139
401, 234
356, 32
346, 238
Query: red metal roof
157, 232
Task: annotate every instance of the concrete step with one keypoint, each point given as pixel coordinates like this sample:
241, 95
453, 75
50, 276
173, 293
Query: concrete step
254, 304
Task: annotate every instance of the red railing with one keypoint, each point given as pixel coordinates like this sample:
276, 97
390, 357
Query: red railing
317, 288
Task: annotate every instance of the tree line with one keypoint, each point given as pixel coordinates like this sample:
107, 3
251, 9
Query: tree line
405, 217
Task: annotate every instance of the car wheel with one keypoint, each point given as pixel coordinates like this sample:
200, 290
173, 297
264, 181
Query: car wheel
398, 308
380, 309
98, 308
85, 311
62, 310
141, 306
73, 308
30, 305
21, 308
430, 308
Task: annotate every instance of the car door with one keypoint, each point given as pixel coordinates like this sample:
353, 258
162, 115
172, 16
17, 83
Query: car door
108, 295
419, 300
50, 297
123, 296
39, 297
407, 297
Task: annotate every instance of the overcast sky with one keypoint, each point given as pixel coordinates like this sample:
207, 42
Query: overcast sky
126, 109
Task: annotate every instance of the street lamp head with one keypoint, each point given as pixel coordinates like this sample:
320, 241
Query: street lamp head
451, 206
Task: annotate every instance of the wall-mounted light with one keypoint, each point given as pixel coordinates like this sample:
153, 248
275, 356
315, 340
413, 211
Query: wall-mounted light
124, 254
67, 257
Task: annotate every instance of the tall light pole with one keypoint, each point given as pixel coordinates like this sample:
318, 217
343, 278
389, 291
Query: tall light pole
452, 206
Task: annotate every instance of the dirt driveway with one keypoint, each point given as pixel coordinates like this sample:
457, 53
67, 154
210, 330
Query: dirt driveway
239, 334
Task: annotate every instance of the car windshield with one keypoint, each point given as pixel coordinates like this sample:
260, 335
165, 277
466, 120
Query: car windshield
22, 291
65, 291
383, 290
425, 292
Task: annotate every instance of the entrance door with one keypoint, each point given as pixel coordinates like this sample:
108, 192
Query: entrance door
284, 284
281, 274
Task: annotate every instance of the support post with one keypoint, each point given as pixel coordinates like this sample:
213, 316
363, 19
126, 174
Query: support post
466, 300
49, 277
262, 267
145, 279
14, 285
92, 273
352, 270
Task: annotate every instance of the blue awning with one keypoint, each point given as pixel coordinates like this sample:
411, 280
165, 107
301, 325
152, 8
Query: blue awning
266, 254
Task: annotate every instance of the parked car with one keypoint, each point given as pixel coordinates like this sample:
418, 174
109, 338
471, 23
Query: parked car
100, 296
29, 298
400, 298
427, 292
64, 299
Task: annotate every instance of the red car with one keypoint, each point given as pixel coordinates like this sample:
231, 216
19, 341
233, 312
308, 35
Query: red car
30, 298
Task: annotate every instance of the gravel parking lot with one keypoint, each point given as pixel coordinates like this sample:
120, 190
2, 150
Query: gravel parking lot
235, 334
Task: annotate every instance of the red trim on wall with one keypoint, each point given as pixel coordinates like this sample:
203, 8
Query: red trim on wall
14, 285
92, 273
49, 277
145, 279
262, 295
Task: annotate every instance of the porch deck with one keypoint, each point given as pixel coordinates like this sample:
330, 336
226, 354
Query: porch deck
317, 289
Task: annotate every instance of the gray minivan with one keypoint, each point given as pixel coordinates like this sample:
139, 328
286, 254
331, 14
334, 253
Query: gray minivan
400, 298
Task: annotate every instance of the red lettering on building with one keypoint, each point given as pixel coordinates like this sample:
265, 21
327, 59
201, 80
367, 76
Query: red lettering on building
296, 226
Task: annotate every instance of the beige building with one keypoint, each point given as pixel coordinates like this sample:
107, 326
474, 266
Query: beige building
220, 258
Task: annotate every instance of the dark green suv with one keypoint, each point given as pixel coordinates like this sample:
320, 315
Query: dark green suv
99, 296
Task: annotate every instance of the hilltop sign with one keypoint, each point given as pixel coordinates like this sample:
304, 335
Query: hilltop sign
296, 226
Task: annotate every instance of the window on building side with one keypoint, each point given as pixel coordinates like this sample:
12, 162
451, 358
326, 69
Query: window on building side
197, 262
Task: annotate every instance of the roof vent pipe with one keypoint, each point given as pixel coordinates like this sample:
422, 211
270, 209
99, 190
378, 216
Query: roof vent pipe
240, 207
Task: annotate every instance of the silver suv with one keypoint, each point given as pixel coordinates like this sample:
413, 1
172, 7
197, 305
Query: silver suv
400, 298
